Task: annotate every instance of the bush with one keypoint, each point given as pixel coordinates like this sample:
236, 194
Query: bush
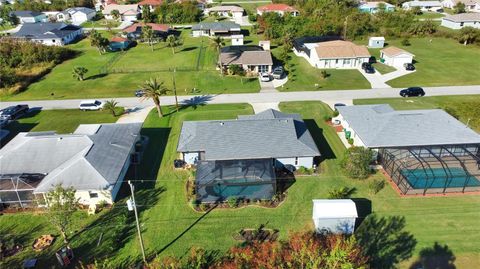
341, 193
356, 162
232, 202
336, 113
204, 207
406, 42
327, 118
324, 74
350, 141
376, 185
302, 170
194, 203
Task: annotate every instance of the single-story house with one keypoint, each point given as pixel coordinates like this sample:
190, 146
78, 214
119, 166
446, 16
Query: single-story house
332, 54
76, 15
223, 29
152, 4
461, 20
49, 33
373, 7
229, 11
376, 42
423, 151
127, 12
395, 57
280, 9
93, 160
470, 5
424, 5
237, 158
26, 16
253, 59
334, 215
134, 31
118, 43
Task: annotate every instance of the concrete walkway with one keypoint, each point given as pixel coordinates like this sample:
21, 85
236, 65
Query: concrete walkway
135, 114
259, 107
280, 82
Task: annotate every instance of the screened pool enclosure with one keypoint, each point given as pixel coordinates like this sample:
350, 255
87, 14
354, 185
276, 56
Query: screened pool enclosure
17, 190
433, 169
247, 179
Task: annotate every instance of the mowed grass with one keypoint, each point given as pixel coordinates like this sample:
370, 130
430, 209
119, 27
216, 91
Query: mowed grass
141, 64
304, 77
441, 62
171, 227
383, 68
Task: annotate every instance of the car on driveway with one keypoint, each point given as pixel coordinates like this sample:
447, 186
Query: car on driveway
278, 72
412, 91
335, 106
13, 112
265, 77
91, 105
368, 68
409, 67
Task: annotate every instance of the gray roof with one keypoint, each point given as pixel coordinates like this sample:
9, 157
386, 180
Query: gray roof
27, 13
216, 26
90, 158
250, 55
463, 17
270, 134
85, 10
381, 126
46, 30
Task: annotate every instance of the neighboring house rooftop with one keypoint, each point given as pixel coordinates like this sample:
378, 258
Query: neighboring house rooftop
277, 7
90, 158
466, 2
269, 134
381, 126
340, 49
122, 9
423, 3
393, 51
334, 208
27, 13
226, 9
74, 10
118, 39
249, 55
155, 27
46, 30
150, 3
216, 26
464, 17
374, 4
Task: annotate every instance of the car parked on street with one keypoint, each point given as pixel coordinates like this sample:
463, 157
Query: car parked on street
13, 112
265, 77
409, 66
412, 91
335, 106
278, 72
139, 93
91, 105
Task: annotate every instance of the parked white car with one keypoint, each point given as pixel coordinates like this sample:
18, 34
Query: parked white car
91, 105
265, 77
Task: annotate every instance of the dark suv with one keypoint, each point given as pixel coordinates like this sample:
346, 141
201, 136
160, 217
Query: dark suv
409, 67
13, 112
368, 68
412, 91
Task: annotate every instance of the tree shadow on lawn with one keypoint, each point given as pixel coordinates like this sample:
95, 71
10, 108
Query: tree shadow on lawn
196, 101
436, 257
189, 48
100, 75
320, 140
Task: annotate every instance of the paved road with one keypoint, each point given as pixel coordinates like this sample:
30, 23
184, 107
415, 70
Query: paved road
325, 96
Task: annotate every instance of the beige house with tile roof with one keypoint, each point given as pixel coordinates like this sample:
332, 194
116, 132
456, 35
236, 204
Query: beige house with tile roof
127, 12
396, 57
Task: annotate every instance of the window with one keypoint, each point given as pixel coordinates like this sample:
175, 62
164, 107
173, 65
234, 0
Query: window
461, 24
263, 68
336, 61
296, 161
346, 61
93, 194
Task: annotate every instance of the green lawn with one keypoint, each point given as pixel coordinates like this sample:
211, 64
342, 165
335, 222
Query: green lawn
171, 227
430, 15
100, 23
142, 64
304, 77
383, 68
441, 62
466, 106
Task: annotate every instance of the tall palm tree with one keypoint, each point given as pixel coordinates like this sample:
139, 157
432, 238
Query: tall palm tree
153, 89
79, 72
111, 105
218, 43
148, 35
172, 42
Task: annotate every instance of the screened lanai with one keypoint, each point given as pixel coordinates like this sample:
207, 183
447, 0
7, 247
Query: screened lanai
433, 169
17, 190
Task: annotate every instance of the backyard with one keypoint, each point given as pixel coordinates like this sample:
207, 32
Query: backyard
171, 227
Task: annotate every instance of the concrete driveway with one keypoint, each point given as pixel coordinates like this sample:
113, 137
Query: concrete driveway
378, 81
267, 86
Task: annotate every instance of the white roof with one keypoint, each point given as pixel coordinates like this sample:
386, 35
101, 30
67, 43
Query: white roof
237, 36
377, 38
334, 208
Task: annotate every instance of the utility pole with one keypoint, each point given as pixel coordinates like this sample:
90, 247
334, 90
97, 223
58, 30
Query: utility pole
175, 89
138, 223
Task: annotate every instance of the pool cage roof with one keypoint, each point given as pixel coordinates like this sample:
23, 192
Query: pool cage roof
433, 169
18, 188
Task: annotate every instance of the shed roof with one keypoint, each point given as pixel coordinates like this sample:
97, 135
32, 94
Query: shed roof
269, 134
334, 208
381, 126
393, 51
340, 49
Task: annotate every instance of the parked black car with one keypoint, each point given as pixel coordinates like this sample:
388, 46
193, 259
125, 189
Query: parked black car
368, 68
139, 93
409, 67
13, 112
412, 91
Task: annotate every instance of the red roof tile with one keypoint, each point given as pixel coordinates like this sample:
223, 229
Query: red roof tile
155, 27
118, 39
277, 7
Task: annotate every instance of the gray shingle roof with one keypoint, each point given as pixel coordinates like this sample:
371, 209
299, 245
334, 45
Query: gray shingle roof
216, 26
270, 134
46, 30
27, 13
91, 160
381, 126
463, 17
250, 55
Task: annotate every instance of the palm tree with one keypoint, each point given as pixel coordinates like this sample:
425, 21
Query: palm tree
218, 43
111, 105
148, 35
172, 42
115, 14
97, 40
153, 89
79, 72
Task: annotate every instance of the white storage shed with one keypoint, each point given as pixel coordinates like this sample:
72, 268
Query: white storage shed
376, 42
334, 215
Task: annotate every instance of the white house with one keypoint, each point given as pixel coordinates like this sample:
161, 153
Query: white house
333, 54
93, 160
470, 5
459, 21
234, 12
252, 59
127, 12
76, 15
396, 57
264, 44
280, 9
48, 33
376, 42
30, 16
424, 5
334, 215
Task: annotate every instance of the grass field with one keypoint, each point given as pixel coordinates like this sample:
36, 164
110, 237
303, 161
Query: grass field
100, 23
430, 15
171, 227
383, 68
141, 64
